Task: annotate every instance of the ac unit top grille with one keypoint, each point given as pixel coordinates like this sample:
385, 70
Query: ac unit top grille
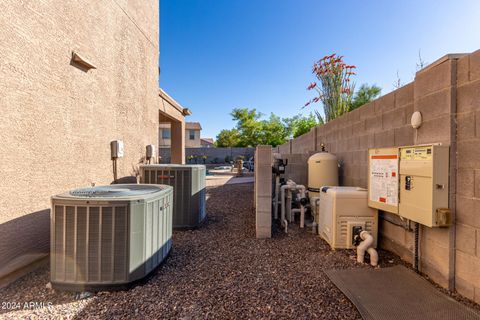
125, 191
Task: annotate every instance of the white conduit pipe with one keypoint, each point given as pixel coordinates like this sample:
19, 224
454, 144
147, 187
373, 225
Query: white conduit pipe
282, 205
302, 208
289, 204
288, 187
367, 245
277, 191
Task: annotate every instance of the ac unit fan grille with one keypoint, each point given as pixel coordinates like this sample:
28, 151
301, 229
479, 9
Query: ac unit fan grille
90, 243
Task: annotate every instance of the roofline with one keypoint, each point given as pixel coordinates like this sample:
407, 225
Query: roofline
174, 103
195, 123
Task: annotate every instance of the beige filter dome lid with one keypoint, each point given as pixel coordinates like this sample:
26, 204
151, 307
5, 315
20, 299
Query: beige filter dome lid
322, 156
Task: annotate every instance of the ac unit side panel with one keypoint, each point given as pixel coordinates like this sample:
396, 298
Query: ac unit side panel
137, 239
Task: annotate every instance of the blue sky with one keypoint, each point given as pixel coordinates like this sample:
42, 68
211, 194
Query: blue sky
216, 55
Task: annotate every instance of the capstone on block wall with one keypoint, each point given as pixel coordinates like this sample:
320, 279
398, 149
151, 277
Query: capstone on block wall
214, 155
57, 120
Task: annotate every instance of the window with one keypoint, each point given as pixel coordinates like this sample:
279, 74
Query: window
191, 134
166, 134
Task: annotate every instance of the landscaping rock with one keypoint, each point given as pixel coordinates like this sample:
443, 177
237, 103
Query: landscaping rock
218, 271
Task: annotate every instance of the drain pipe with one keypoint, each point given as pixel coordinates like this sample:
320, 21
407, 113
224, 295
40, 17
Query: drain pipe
367, 245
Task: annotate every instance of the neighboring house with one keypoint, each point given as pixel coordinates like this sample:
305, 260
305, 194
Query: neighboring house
59, 116
192, 135
207, 142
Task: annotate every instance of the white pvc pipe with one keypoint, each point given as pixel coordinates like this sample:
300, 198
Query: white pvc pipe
282, 205
373, 256
367, 245
286, 208
302, 208
277, 191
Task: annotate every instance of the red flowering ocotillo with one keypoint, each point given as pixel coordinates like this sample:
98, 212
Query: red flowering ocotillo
334, 87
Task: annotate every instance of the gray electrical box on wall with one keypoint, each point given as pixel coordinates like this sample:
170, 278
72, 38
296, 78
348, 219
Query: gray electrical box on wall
116, 148
150, 152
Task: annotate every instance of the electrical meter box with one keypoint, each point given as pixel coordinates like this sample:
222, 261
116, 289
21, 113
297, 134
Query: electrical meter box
424, 188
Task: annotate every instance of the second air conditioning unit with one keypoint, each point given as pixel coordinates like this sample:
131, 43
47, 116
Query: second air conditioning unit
108, 237
189, 190
343, 213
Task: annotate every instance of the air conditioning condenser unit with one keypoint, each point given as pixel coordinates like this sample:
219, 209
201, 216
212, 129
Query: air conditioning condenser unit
108, 237
189, 190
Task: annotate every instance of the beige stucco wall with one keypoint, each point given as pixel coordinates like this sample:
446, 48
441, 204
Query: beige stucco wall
57, 120
195, 143
166, 143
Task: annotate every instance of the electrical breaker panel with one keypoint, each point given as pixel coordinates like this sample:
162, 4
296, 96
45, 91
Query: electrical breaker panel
411, 182
424, 185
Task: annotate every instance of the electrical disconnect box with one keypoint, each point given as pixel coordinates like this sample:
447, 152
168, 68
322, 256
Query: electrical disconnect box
116, 148
411, 182
150, 151
424, 185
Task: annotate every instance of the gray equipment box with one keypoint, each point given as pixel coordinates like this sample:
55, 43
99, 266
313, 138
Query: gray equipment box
189, 191
108, 237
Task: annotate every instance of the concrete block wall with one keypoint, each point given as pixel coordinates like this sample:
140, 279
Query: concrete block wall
263, 191
297, 169
213, 154
447, 93
467, 253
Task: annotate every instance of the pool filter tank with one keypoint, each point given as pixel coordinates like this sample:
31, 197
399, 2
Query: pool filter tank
322, 171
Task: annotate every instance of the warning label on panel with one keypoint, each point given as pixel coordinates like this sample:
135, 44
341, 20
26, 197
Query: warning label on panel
384, 179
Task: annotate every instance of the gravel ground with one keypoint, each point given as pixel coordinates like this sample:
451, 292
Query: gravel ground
217, 271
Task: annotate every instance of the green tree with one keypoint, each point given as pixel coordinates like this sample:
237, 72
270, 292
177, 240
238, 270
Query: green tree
273, 132
251, 130
364, 95
299, 124
227, 138
248, 125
